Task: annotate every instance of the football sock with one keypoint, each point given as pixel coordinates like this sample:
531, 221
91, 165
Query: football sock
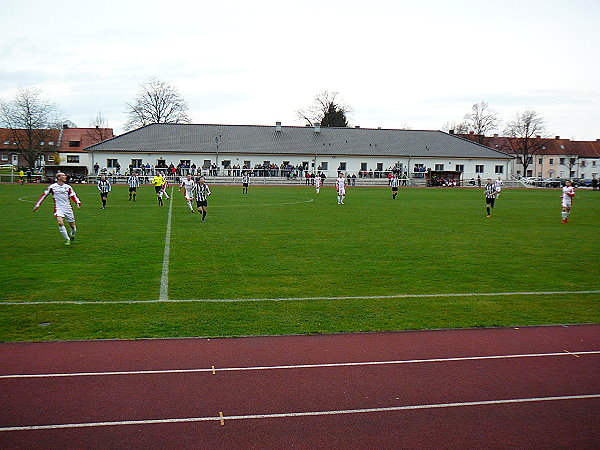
103, 202
73, 231
564, 215
203, 214
488, 210
190, 205
63, 232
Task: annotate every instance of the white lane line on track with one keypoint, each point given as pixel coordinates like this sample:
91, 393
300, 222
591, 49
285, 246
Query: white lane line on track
283, 299
164, 278
300, 414
297, 366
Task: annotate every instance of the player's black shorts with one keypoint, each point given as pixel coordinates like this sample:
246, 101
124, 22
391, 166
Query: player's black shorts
132, 189
490, 201
158, 189
245, 185
395, 189
103, 194
200, 203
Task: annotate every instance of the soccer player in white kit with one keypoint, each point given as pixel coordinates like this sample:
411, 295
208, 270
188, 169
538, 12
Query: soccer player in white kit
498, 186
62, 194
340, 187
317, 184
568, 192
189, 184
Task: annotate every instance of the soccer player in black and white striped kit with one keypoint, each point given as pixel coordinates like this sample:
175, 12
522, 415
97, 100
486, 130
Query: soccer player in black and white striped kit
104, 188
201, 193
394, 183
490, 196
245, 182
134, 182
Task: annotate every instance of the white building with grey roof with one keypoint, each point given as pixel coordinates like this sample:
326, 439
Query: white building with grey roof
351, 150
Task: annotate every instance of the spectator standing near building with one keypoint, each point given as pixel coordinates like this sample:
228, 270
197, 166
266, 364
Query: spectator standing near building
340, 187
568, 192
62, 194
490, 197
478, 181
96, 168
245, 182
202, 192
104, 188
134, 182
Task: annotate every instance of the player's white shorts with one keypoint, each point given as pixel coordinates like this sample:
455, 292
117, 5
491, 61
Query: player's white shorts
342, 192
566, 203
189, 196
68, 215
498, 188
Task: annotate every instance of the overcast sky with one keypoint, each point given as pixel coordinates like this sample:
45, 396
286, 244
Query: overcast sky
395, 63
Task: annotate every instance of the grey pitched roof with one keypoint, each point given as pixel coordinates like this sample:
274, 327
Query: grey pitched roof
262, 139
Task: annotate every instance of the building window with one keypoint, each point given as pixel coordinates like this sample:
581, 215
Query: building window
50, 157
460, 168
551, 161
539, 174
582, 175
572, 174
439, 167
112, 163
4, 157
342, 166
561, 161
185, 162
582, 165
136, 163
72, 158
364, 166
530, 173
572, 161
247, 164
324, 165
207, 163
74, 143
519, 160
540, 160
499, 169
530, 160
593, 163
479, 168
7, 142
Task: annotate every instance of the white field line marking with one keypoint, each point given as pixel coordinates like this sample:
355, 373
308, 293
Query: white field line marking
308, 200
221, 418
214, 369
281, 299
164, 278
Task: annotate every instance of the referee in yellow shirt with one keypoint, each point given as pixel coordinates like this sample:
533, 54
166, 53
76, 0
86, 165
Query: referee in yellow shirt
158, 182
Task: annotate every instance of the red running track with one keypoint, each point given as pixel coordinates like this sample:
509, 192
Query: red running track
558, 391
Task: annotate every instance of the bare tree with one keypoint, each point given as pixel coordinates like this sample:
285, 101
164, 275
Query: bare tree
456, 127
99, 129
526, 136
157, 102
326, 110
30, 119
481, 120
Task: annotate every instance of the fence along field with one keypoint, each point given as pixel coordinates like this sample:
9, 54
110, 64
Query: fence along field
288, 242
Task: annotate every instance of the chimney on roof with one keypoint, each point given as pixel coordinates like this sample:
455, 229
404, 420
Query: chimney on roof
451, 132
379, 128
65, 126
317, 127
97, 126
357, 126
557, 137
278, 126
495, 135
538, 136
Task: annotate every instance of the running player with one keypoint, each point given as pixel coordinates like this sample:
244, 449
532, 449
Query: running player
134, 182
189, 185
340, 187
568, 192
498, 187
104, 188
394, 183
245, 182
490, 196
62, 192
165, 186
202, 192
317, 184
158, 181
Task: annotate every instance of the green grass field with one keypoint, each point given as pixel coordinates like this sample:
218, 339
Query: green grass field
288, 242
